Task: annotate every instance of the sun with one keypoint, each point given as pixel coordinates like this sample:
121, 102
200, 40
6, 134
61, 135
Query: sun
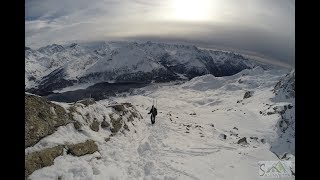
191, 10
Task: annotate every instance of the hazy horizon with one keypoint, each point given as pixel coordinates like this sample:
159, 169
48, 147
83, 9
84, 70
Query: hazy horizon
264, 27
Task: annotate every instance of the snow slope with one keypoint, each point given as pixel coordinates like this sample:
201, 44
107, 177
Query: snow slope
186, 142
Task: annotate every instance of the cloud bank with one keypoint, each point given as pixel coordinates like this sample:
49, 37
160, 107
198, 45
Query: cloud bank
264, 27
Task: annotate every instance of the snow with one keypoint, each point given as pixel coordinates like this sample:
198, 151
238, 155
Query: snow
165, 150
74, 87
117, 58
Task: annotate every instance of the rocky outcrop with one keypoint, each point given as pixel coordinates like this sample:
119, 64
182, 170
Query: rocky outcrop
116, 123
95, 126
42, 118
105, 124
223, 136
243, 141
248, 94
286, 86
80, 149
40, 159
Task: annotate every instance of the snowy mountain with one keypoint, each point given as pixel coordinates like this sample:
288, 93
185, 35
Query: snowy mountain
207, 128
55, 67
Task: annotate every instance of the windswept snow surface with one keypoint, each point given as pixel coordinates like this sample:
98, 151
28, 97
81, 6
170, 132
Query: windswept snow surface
186, 141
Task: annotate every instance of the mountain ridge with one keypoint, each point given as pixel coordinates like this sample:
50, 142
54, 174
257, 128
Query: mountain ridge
54, 67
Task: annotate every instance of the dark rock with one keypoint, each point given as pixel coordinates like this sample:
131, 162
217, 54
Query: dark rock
119, 108
223, 136
270, 113
40, 159
263, 141
95, 126
77, 125
255, 138
235, 128
193, 114
243, 141
107, 139
128, 105
125, 126
116, 124
105, 124
248, 94
80, 149
212, 125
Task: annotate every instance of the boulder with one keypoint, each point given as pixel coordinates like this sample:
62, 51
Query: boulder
223, 136
40, 159
243, 141
254, 138
105, 124
116, 124
80, 149
95, 126
42, 118
77, 125
248, 94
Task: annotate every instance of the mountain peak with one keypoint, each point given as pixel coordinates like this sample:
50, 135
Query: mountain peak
51, 49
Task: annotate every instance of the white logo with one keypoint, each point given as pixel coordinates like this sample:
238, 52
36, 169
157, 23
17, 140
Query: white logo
275, 169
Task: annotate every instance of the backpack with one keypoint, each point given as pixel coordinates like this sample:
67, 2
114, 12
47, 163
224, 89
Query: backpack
155, 111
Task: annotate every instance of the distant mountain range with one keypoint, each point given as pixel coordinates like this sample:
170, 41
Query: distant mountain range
55, 67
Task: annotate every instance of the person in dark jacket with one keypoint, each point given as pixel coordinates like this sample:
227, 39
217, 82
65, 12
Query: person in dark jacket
153, 113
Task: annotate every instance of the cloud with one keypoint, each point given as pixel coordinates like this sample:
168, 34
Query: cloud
262, 26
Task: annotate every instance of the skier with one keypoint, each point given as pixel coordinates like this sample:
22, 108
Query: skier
153, 113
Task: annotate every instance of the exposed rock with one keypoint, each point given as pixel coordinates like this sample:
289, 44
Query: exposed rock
42, 118
119, 108
40, 159
270, 113
254, 138
128, 105
125, 126
287, 156
212, 125
223, 136
286, 86
243, 141
248, 94
95, 126
263, 141
105, 124
87, 101
77, 125
235, 128
107, 139
193, 114
80, 149
116, 123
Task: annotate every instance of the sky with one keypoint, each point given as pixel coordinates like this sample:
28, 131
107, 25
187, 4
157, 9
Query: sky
263, 28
